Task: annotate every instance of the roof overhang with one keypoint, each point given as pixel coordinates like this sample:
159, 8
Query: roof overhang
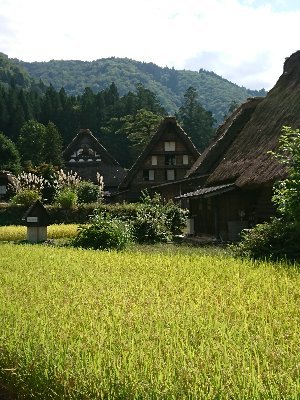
209, 191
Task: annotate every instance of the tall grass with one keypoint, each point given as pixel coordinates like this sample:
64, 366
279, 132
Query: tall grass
56, 231
79, 324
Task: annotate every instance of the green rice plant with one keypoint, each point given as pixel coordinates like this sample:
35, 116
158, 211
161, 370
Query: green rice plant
18, 232
81, 324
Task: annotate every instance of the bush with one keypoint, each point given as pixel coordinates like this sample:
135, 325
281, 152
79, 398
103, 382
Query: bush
156, 222
104, 233
26, 197
66, 199
272, 240
88, 192
176, 217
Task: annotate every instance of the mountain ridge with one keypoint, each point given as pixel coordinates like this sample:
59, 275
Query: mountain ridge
216, 93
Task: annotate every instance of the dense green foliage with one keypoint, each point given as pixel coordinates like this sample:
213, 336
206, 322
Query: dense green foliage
280, 237
66, 198
88, 192
26, 197
12, 215
275, 240
196, 120
122, 109
150, 221
9, 155
139, 129
179, 324
287, 192
104, 233
12, 73
156, 221
215, 93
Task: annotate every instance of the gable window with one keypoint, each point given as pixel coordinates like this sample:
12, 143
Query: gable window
170, 175
185, 159
148, 174
170, 159
153, 160
169, 146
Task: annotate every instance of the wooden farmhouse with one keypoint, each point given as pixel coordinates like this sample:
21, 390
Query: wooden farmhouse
167, 158
86, 156
232, 179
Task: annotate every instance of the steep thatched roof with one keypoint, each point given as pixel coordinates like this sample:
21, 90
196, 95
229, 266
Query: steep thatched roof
168, 124
239, 152
86, 135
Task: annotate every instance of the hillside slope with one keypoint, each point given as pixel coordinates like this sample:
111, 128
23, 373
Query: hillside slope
215, 93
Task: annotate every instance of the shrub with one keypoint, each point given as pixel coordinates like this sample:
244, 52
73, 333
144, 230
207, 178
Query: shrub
49, 173
66, 198
26, 197
88, 192
176, 217
104, 233
273, 240
154, 221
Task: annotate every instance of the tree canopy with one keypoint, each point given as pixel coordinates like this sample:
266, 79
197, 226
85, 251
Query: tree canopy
287, 192
196, 121
9, 155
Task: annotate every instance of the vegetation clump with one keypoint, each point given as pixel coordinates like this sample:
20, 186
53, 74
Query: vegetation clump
280, 237
150, 221
104, 233
156, 221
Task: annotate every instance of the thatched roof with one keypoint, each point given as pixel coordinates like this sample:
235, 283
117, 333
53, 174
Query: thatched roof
168, 124
239, 153
85, 135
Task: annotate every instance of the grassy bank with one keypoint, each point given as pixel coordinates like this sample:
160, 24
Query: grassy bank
79, 324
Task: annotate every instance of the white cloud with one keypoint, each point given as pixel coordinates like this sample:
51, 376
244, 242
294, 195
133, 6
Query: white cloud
244, 41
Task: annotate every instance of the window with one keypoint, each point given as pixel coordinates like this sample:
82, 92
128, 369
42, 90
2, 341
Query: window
153, 160
148, 174
151, 175
185, 159
170, 159
169, 146
170, 174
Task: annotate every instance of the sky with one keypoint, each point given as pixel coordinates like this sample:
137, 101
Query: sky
244, 41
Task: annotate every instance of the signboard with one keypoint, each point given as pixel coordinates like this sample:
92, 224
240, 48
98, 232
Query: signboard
32, 219
3, 190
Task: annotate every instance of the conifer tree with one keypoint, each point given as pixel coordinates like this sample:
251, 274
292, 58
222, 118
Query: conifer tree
195, 120
52, 146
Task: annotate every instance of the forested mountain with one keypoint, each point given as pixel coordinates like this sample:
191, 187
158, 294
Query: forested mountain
215, 93
121, 101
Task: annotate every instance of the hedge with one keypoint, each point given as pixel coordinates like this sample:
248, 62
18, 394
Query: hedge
12, 215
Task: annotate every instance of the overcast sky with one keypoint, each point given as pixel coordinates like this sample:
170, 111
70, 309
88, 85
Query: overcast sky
245, 41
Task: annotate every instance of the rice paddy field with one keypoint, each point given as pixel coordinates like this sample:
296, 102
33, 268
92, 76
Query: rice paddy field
173, 324
56, 231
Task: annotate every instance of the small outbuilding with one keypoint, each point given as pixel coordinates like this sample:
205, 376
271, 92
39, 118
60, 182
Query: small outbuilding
36, 218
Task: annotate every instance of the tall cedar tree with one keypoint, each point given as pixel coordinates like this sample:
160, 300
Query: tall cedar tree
195, 120
52, 146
